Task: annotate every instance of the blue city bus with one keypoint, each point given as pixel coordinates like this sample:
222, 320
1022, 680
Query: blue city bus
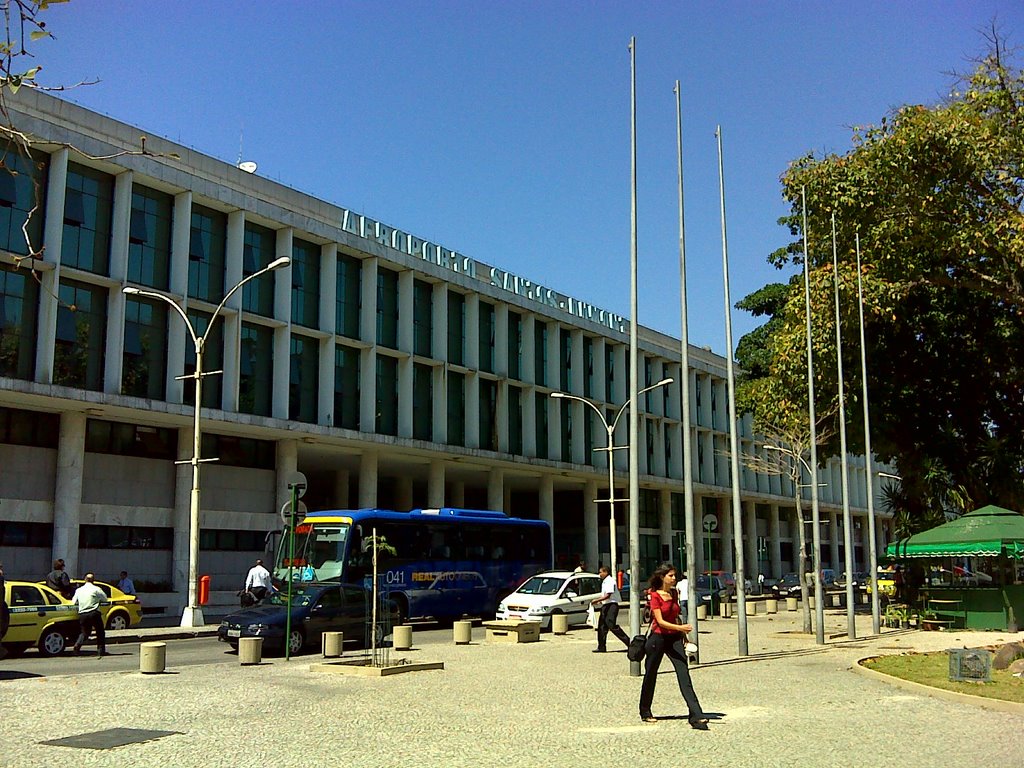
446, 563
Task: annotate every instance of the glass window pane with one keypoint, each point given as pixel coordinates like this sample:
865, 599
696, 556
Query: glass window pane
88, 208
81, 336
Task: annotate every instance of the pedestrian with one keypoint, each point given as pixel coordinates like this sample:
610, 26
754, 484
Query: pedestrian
125, 584
258, 581
667, 638
88, 599
58, 580
609, 619
580, 568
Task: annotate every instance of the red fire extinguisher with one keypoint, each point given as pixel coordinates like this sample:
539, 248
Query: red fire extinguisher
204, 590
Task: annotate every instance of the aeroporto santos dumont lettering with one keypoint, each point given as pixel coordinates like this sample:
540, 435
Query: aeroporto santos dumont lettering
376, 232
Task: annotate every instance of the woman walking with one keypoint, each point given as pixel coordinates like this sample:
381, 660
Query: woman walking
666, 638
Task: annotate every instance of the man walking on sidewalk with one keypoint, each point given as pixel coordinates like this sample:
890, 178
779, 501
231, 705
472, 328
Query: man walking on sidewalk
88, 599
609, 619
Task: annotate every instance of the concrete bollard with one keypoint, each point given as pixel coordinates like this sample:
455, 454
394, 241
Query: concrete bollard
250, 650
725, 609
401, 640
810, 602
837, 601
559, 623
332, 644
152, 658
702, 612
751, 608
771, 606
864, 598
462, 632
791, 603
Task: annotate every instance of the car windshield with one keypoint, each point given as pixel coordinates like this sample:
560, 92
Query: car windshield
300, 597
790, 578
541, 585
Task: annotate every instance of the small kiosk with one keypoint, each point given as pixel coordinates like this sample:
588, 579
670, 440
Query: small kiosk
967, 573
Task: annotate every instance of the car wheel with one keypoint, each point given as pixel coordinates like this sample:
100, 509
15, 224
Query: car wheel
295, 641
52, 643
117, 621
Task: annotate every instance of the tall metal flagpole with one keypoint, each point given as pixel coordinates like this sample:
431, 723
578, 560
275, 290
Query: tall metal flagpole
734, 447
684, 377
634, 411
851, 624
819, 608
876, 621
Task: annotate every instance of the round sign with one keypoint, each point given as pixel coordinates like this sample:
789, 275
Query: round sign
710, 522
297, 480
286, 513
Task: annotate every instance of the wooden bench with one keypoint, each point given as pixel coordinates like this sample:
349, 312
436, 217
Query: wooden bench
512, 631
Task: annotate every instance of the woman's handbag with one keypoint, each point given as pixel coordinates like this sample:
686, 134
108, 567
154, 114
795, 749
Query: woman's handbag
638, 646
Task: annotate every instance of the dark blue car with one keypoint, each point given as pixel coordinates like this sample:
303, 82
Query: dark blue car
316, 608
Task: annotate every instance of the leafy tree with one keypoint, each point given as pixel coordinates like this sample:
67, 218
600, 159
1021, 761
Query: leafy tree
936, 197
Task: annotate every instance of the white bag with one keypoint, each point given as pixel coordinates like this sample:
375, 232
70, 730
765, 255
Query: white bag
591, 616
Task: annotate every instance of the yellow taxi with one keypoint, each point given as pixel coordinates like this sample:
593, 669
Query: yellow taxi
120, 610
886, 584
39, 617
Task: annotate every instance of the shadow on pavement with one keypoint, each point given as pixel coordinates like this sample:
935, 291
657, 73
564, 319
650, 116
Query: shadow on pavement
15, 675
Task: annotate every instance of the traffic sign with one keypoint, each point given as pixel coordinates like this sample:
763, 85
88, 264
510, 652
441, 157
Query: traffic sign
286, 513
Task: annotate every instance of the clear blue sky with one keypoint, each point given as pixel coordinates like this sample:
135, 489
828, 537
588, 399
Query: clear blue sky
501, 130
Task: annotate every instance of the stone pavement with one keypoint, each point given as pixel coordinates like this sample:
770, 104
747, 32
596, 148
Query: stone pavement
792, 703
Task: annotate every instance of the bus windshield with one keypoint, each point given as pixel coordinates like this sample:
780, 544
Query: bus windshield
319, 553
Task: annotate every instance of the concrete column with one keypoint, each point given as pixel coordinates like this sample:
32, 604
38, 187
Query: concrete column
53, 234
665, 521
282, 311
405, 398
367, 479
865, 550
529, 367
341, 489
182, 515
328, 297
833, 542
113, 357
439, 324
472, 410
496, 489
403, 493
530, 436
774, 544
439, 407
547, 504
287, 462
435, 485
67, 496
726, 529
406, 313
600, 374
590, 524
501, 339
234, 244
178, 340
750, 554
368, 315
472, 351
368, 390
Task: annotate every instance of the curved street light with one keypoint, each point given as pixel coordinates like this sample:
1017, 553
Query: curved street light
192, 616
610, 429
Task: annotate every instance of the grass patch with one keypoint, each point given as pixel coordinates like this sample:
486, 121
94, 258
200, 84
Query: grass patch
933, 669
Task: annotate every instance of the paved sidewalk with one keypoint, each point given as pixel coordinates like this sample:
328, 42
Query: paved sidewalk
791, 703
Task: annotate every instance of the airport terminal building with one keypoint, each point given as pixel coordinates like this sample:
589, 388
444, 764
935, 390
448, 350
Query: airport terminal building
392, 371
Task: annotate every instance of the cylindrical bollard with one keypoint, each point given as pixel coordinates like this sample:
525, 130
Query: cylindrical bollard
771, 605
725, 609
559, 623
791, 603
462, 632
152, 658
810, 602
332, 644
702, 612
250, 650
751, 608
401, 640
864, 598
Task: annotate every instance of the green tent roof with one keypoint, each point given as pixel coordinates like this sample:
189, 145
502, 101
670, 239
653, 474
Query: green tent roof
985, 532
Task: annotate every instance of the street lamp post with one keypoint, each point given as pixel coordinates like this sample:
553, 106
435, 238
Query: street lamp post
609, 447
192, 616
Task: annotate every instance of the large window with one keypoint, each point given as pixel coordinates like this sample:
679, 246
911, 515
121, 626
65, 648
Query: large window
486, 337
207, 243
305, 284
14, 534
144, 355
88, 205
423, 402
124, 537
565, 422
650, 508
488, 415
423, 318
149, 237
609, 372
541, 424
33, 428
348, 301
387, 395
22, 188
540, 353
588, 366
19, 306
303, 379
243, 452
255, 384
223, 540
81, 335
213, 359
456, 328
456, 409
387, 308
515, 421
346, 387
515, 345
565, 361
257, 253
122, 439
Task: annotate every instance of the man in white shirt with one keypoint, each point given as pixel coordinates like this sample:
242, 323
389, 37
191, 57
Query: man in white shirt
88, 599
125, 584
258, 581
609, 602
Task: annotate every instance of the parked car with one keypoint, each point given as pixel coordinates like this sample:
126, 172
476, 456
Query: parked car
122, 611
316, 608
711, 591
787, 586
39, 617
860, 580
886, 584
540, 596
726, 578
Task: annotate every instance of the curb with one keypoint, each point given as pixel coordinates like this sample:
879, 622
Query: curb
128, 636
999, 705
